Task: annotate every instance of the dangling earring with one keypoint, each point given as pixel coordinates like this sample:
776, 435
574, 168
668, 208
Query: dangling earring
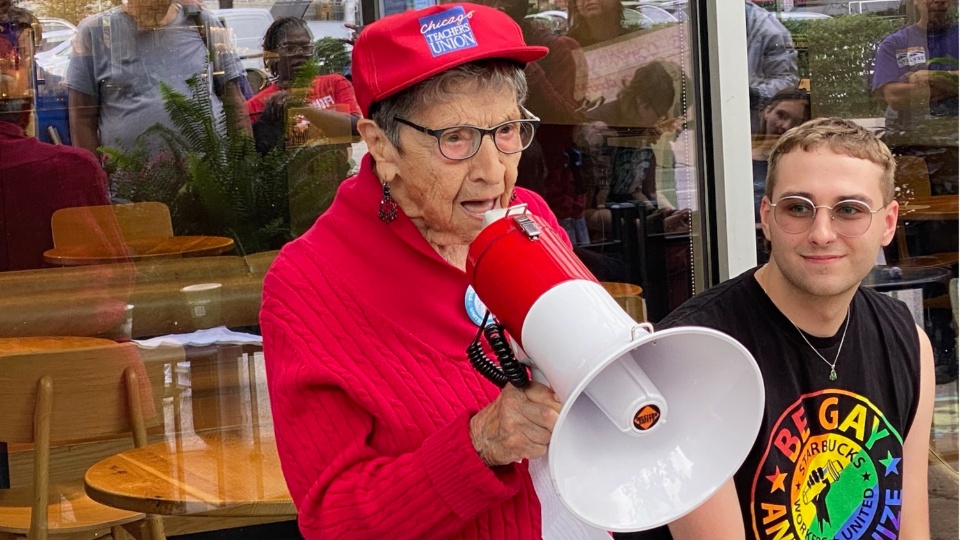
513, 197
388, 206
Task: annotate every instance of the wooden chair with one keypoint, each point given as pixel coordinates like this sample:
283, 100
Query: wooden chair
66, 397
86, 225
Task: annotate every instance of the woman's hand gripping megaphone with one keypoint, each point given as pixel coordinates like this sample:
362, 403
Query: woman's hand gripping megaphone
515, 426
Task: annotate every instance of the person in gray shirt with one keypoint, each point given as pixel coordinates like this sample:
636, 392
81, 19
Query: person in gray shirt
123, 54
771, 60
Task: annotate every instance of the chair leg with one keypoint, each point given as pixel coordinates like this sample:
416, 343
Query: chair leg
155, 524
149, 529
37, 534
117, 533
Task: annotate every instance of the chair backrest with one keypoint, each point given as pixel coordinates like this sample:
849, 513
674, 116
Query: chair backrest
71, 395
87, 225
88, 390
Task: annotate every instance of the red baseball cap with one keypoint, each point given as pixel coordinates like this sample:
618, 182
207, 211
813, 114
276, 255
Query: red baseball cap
401, 50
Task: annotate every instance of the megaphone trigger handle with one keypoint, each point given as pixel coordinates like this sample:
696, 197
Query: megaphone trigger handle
516, 210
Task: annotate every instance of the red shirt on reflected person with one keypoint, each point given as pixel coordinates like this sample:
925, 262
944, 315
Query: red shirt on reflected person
326, 92
37, 179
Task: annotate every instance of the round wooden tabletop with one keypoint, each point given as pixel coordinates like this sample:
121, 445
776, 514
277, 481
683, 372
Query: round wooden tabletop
19, 345
930, 208
621, 289
141, 248
229, 473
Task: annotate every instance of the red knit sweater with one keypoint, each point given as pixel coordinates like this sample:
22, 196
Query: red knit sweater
364, 332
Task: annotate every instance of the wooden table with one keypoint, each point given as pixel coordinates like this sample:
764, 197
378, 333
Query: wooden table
628, 296
141, 248
930, 208
228, 473
19, 345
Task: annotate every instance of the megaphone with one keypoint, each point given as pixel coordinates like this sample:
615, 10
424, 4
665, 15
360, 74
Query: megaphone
653, 423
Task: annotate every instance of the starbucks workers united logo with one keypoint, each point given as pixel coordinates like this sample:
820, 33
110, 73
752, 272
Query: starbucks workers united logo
831, 470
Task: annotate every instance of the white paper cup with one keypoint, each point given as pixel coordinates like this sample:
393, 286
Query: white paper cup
202, 302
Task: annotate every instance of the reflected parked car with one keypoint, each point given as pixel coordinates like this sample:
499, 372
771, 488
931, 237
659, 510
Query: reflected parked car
56, 60
246, 28
53, 53
800, 15
54, 32
677, 9
551, 20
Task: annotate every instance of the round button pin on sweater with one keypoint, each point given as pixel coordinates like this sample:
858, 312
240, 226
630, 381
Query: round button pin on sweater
475, 308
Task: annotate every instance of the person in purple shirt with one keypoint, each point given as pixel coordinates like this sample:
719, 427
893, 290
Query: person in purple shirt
914, 66
916, 75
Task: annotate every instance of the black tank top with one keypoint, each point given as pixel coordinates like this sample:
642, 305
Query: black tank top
828, 460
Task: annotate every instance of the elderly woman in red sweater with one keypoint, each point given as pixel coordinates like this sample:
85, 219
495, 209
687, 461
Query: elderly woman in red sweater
384, 428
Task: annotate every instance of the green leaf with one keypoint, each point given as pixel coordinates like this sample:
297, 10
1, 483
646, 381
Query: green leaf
841, 53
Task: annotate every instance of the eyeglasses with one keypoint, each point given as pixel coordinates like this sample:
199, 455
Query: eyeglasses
291, 49
850, 218
463, 142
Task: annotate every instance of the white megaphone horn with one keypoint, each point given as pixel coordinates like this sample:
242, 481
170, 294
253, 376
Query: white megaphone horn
653, 423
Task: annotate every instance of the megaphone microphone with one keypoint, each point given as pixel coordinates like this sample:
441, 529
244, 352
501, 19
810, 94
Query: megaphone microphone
653, 423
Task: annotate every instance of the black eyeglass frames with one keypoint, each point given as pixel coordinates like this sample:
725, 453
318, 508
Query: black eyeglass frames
463, 142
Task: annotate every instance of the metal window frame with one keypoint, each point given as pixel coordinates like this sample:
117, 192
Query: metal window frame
727, 177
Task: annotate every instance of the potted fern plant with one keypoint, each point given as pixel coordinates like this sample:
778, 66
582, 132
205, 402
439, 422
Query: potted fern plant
213, 180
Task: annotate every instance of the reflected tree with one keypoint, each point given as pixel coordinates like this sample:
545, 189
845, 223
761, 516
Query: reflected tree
840, 56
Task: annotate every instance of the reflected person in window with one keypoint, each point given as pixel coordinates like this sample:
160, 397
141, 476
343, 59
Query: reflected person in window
594, 21
916, 75
788, 109
329, 107
771, 60
645, 108
122, 55
36, 179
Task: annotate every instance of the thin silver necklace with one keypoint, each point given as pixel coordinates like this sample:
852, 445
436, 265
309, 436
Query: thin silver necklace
833, 366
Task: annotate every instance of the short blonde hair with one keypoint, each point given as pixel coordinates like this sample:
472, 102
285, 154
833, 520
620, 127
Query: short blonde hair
841, 137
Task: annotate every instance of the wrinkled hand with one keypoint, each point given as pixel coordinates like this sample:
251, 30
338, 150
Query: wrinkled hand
516, 426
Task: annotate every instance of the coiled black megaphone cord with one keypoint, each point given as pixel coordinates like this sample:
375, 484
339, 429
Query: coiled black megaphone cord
510, 369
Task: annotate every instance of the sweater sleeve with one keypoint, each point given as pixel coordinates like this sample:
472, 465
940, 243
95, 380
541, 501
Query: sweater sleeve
342, 486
